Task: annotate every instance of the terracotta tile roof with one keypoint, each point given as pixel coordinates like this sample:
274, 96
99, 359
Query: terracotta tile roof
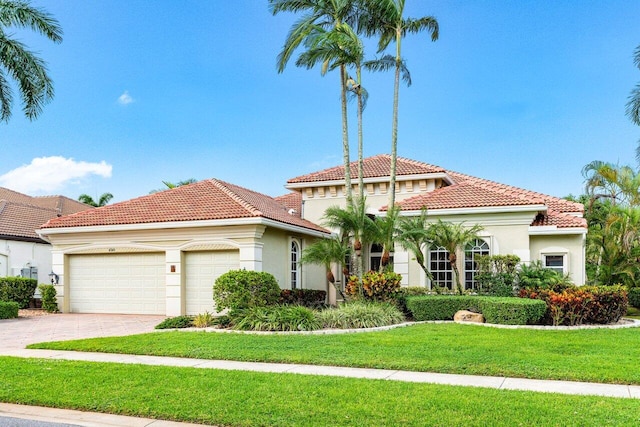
559, 219
555, 203
205, 200
376, 166
292, 200
465, 195
21, 215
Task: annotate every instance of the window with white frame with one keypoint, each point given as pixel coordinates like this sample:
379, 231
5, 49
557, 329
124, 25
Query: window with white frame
474, 249
555, 262
295, 264
440, 267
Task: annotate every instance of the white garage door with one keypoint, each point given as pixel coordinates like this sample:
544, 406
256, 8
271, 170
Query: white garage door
202, 269
117, 283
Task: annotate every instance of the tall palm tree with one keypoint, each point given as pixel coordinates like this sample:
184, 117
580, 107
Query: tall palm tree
385, 18
104, 199
452, 237
325, 15
20, 64
326, 252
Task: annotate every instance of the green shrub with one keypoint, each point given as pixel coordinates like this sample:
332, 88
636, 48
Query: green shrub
496, 274
311, 298
360, 314
203, 320
17, 289
634, 297
49, 301
375, 285
537, 277
177, 322
241, 289
441, 307
275, 318
512, 311
8, 309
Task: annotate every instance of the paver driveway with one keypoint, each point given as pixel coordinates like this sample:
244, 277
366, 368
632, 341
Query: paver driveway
18, 333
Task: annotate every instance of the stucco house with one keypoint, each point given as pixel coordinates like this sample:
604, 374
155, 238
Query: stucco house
22, 251
161, 253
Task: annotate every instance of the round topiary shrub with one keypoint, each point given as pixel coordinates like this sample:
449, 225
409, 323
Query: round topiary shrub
241, 289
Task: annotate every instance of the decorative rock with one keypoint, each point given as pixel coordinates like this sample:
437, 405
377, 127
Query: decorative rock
468, 316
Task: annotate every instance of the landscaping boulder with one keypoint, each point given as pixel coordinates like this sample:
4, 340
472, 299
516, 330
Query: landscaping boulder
468, 316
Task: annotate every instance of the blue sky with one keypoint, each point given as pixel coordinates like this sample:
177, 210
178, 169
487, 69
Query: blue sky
525, 93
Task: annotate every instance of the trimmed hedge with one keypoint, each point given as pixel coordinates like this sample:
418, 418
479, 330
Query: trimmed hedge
311, 298
17, 289
512, 311
634, 297
498, 310
49, 301
8, 310
440, 307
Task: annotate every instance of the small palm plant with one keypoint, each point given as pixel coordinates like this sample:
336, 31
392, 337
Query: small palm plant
326, 252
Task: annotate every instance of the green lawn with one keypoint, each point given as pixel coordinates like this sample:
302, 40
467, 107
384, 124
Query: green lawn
598, 355
237, 398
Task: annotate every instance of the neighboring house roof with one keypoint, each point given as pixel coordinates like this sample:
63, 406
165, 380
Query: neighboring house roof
21, 215
376, 166
210, 199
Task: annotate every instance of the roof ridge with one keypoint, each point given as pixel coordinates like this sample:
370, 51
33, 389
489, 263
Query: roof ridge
28, 205
224, 186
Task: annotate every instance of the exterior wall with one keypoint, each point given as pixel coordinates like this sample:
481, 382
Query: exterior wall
260, 249
572, 246
172, 242
316, 200
15, 255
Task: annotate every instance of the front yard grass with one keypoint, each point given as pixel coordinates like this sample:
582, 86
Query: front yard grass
596, 355
238, 398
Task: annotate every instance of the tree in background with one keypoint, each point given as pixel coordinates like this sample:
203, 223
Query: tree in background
104, 199
19, 64
169, 185
633, 104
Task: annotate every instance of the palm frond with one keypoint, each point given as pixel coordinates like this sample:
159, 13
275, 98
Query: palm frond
21, 14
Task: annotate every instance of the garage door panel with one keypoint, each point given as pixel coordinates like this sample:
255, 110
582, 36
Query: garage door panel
202, 269
117, 283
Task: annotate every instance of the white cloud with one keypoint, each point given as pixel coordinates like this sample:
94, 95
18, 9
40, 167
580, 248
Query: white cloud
125, 98
48, 174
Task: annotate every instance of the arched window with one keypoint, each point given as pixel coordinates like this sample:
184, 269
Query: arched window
476, 248
440, 267
295, 265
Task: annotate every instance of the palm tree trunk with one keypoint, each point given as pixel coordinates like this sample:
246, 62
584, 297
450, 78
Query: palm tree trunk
453, 260
345, 137
394, 125
360, 135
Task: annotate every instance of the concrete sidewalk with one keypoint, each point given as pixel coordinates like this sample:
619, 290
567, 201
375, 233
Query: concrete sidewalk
501, 383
